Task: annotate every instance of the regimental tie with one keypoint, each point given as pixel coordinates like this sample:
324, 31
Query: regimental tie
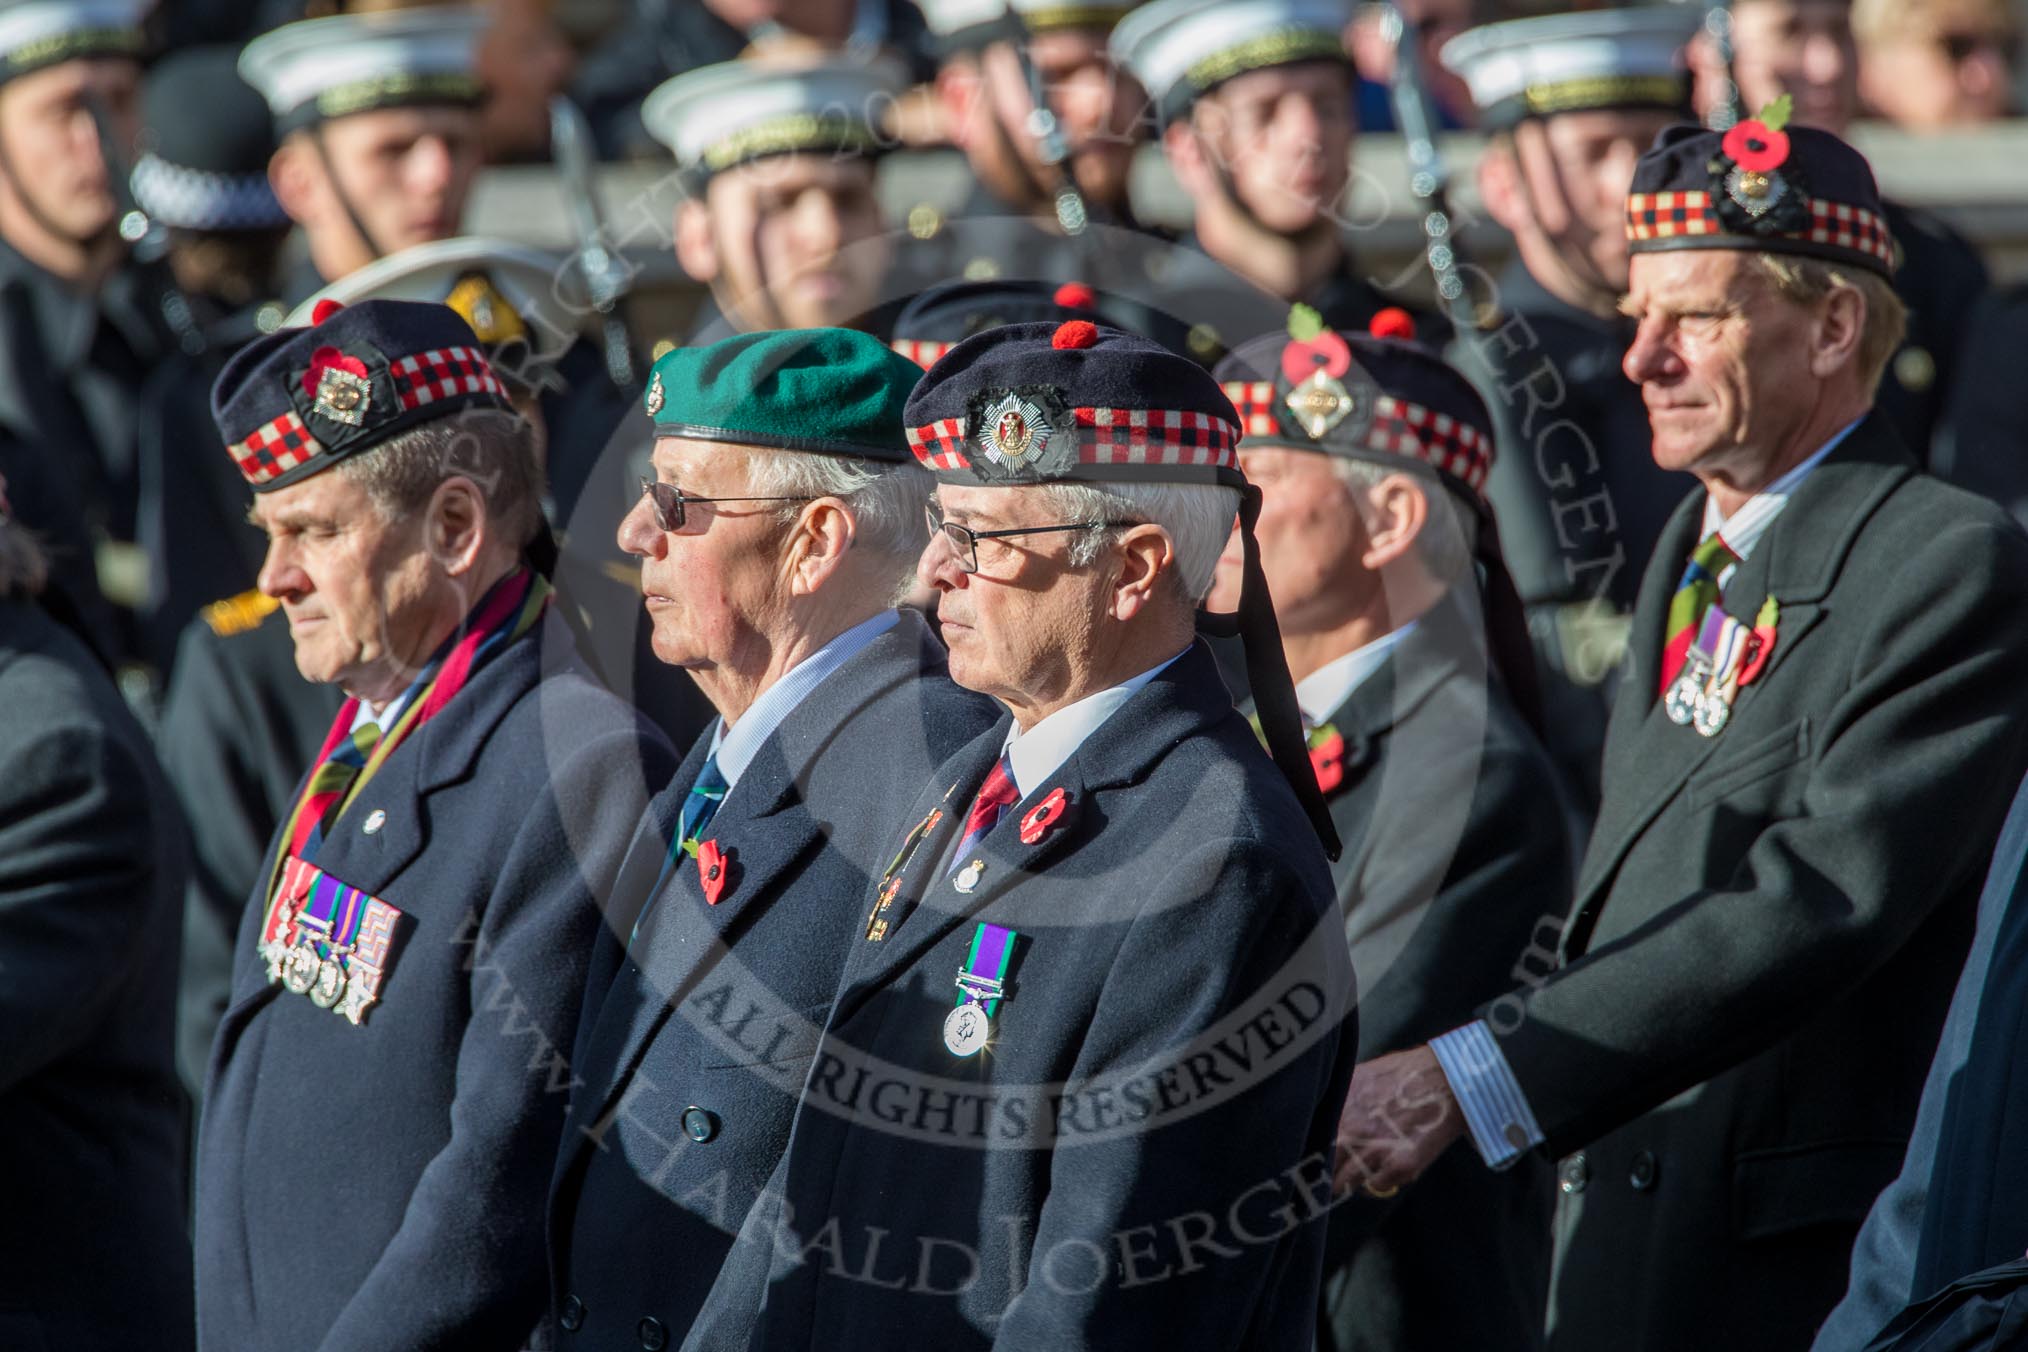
700, 805
1694, 595
996, 795
327, 790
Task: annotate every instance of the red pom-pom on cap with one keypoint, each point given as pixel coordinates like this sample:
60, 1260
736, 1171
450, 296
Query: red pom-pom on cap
1392, 322
324, 309
1075, 296
1075, 333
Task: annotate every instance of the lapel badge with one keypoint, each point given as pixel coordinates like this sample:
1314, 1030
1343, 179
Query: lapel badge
374, 821
1760, 644
712, 869
340, 385
1044, 817
876, 924
968, 876
1327, 757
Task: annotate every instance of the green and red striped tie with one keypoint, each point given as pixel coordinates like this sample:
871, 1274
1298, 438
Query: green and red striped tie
1694, 595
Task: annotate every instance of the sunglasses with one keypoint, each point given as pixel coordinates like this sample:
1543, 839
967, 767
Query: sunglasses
670, 504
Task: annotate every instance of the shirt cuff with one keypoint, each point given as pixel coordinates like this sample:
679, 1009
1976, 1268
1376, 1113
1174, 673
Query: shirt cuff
1496, 1112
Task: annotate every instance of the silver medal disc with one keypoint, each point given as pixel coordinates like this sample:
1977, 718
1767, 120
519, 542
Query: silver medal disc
1713, 711
299, 968
1681, 702
965, 1029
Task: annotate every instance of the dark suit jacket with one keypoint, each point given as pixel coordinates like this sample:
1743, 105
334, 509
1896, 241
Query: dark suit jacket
716, 1008
91, 1118
1966, 1152
382, 1185
1768, 922
1139, 1157
1456, 862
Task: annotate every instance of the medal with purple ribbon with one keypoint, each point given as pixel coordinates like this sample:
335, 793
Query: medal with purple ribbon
981, 982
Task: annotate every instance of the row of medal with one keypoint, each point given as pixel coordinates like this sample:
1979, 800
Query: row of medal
1726, 656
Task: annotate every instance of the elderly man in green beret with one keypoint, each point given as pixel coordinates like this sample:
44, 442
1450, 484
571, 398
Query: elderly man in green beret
784, 518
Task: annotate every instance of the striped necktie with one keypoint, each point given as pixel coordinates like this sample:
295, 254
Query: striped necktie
327, 788
1694, 595
996, 795
701, 805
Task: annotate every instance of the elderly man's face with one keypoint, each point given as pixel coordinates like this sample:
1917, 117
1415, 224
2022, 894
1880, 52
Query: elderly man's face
713, 587
1020, 627
52, 142
802, 230
1311, 538
354, 585
1722, 358
1284, 137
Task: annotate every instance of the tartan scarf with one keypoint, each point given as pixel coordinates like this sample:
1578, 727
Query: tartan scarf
349, 759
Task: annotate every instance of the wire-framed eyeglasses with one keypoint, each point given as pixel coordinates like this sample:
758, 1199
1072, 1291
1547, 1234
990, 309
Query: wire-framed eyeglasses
964, 541
670, 502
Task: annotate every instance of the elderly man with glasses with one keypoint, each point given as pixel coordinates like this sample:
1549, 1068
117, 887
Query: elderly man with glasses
782, 523
1078, 1087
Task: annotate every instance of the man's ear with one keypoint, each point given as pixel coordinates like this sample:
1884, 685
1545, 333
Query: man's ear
298, 181
1147, 556
1187, 156
1397, 509
696, 250
823, 536
1500, 184
457, 525
1840, 327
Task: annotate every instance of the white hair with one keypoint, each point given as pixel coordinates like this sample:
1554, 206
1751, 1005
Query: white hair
1448, 534
1198, 519
885, 500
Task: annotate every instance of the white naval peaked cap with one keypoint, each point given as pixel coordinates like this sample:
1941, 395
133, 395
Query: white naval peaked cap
1182, 49
318, 69
958, 24
717, 117
513, 296
1582, 62
38, 33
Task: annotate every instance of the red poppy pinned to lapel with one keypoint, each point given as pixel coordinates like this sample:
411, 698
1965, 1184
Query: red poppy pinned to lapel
1760, 644
1044, 816
1327, 757
713, 868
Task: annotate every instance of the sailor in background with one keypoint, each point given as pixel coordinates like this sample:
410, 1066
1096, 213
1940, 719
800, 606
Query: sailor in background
377, 118
775, 160
1569, 102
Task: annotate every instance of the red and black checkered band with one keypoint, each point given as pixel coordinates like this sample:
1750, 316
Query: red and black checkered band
274, 449
1397, 427
1664, 220
922, 351
1003, 444
444, 373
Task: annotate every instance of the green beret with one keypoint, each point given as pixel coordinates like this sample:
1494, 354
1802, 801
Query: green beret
833, 391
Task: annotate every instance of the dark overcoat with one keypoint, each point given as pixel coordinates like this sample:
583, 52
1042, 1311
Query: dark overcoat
93, 1254
382, 1185
1769, 922
1139, 1157
696, 1040
1456, 863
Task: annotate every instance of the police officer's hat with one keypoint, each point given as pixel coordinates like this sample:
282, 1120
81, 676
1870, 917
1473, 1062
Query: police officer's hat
1763, 186
1181, 50
525, 306
1594, 60
1378, 396
317, 69
295, 402
38, 33
206, 141
719, 117
966, 25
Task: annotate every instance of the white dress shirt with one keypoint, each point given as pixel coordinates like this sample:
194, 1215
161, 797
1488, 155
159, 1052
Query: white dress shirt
1033, 756
735, 747
1496, 1112
1324, 691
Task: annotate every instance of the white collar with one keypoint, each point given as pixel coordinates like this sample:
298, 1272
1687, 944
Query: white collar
1743, 529
1033, 756
384, 718
1324, 691
735, 747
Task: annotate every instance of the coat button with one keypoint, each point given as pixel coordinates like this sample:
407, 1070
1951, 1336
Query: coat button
572, 1314
1576, 1172
1642, 1174
654, 1334
699, 1125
